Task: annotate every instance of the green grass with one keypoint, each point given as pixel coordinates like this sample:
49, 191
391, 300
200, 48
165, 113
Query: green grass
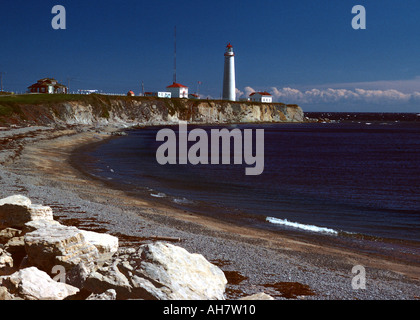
11, 105
45, 98
40, 98
6, 111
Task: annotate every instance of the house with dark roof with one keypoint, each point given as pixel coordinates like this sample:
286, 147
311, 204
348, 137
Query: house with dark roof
47, 85
261, 97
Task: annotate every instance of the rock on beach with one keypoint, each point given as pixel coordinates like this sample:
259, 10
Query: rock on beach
34, 284
16, 210
93, 262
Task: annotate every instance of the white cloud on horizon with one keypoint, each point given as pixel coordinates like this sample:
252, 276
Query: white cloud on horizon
330, 95
238, 93
387, 93
335, 96
405, 86
248, 91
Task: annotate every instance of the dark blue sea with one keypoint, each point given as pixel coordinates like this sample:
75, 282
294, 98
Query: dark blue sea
354, 181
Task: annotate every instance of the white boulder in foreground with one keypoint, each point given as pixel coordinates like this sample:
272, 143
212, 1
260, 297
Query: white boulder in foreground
17, 210
34, 284
106, 244
159, 271
56, 244
50, 243
177, 274
17, 199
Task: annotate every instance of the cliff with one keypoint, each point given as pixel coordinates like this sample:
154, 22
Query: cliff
100, 109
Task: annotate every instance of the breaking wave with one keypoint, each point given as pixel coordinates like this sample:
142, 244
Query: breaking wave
306, 227
158, 195
182, 201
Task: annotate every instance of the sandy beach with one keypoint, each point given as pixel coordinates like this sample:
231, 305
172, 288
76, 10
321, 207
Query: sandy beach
37, 162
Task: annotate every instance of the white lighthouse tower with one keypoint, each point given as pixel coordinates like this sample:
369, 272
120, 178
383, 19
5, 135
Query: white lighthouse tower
229, 75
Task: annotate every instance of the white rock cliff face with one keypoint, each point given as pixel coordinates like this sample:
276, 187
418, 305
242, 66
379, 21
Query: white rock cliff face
171, 111
102, 110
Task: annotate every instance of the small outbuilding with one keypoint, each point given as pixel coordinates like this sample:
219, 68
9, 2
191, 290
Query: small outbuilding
130, 93
159, 94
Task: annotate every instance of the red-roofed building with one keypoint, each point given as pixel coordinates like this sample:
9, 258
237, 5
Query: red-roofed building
261, 97
178, 90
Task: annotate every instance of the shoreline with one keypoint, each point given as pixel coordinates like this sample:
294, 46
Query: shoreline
255, 260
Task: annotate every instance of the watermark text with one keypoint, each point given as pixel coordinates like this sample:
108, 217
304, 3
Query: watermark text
220, 147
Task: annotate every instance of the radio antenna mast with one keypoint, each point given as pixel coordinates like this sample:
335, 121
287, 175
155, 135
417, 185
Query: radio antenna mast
175, 55
1, 80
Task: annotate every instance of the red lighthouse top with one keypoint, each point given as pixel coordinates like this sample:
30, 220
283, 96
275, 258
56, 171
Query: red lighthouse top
229, 50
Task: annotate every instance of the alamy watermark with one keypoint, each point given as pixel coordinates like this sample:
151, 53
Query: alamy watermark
59, 20
175, 150
359, 280
357, 22
60, 273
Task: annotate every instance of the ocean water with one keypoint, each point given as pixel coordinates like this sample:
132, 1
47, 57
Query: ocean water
354, 182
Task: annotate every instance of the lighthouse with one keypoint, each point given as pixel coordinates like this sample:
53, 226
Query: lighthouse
229, 75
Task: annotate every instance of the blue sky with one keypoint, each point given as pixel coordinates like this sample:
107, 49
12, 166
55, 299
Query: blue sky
301, 51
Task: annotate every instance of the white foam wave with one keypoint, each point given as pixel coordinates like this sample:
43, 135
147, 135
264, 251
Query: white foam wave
158, 195
182, 201
306, 227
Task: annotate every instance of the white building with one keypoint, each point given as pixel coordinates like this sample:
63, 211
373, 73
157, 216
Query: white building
159, 94
178, 90
82, 91
162, 94
229, 75
261, 97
